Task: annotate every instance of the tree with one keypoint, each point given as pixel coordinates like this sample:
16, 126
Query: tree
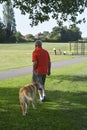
2, 32
46, 33
9, 18
55, 34
64, 34
61, 10
29, 37
19, 37
75, 33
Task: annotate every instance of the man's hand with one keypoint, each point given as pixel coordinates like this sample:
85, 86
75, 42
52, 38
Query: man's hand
34, 65
49, 73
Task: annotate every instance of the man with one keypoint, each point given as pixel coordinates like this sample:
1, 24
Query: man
41, 67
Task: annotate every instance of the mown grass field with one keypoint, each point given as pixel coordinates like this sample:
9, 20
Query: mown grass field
19, 55
66, 90
65, 109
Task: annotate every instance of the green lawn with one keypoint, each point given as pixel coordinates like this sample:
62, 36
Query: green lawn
65, 109
19, 55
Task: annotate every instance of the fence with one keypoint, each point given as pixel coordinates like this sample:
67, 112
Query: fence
78, 48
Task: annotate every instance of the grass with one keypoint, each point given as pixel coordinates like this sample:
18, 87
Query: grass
66, 89
65, 109
19, 55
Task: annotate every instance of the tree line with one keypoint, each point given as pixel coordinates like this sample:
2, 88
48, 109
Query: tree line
61, 34
58, 34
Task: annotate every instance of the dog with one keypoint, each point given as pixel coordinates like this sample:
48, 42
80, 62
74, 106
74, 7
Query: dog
27, 94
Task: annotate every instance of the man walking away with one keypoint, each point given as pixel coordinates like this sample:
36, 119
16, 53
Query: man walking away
41, 67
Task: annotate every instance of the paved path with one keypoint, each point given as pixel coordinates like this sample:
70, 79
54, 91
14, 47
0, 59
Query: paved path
28, 70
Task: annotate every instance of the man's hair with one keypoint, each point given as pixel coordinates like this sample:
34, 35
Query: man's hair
38, 43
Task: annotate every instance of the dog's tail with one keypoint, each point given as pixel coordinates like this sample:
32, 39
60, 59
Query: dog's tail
28, 97
25, 97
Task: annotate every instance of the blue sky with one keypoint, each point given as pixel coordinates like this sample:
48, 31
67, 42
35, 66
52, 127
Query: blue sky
22, 24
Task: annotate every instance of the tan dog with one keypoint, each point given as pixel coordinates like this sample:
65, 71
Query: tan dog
27, 94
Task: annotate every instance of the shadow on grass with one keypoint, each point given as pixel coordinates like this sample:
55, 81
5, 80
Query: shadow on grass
68, 77
61, 111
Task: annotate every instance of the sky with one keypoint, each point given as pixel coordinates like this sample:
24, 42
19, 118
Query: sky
23, 24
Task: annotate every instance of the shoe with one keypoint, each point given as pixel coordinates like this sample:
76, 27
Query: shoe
44, 99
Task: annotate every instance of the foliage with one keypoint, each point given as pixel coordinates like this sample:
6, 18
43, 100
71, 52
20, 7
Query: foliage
83, 40
58, 34
9, 20
64, 34
19, 37
29, 37
2, 32
8, 26
42, 10
62, 10
8, 15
